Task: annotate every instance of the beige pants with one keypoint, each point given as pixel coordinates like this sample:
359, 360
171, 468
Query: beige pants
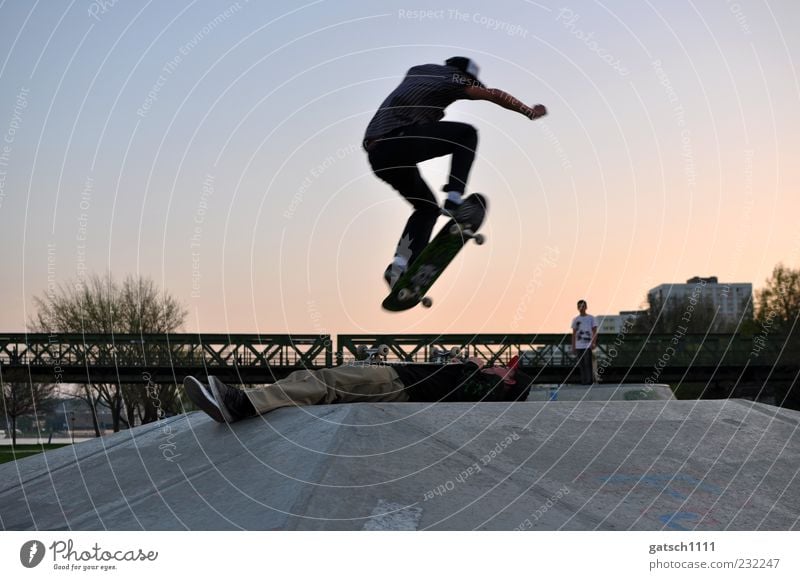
346, 384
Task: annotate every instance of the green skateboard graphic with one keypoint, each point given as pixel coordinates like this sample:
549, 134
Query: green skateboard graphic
411, 288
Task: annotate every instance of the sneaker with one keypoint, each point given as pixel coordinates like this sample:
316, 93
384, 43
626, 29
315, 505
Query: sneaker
451, 207
392, 274
202, 398
468, 213
232, 403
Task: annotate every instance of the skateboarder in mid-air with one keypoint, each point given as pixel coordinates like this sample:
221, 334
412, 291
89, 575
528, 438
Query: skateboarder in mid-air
407, 130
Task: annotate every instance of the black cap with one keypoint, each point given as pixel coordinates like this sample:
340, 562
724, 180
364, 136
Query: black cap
467, 66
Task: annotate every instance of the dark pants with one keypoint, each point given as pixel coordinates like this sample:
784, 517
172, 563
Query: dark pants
394, 159
585, 365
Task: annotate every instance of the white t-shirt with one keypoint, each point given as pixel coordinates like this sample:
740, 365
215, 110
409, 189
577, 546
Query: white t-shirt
583, 325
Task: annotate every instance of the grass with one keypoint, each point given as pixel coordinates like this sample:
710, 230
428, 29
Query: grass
9, 453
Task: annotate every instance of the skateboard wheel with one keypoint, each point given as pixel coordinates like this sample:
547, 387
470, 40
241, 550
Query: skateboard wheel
427, 302
455, 351
479, 239
404, 294
383, 350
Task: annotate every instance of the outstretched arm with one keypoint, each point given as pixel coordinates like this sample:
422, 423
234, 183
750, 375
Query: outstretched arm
506, 101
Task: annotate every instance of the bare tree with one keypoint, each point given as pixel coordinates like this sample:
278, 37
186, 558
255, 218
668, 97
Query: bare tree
20, 399
101, 305
89, 395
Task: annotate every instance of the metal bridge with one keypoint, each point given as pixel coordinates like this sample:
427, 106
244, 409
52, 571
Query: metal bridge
143, 358
256, 358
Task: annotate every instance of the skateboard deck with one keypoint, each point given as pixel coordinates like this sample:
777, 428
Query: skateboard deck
411, 288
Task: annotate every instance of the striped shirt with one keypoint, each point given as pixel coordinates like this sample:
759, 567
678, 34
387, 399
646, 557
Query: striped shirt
421, 98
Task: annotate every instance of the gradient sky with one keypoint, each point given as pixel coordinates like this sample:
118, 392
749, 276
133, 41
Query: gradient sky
215, 148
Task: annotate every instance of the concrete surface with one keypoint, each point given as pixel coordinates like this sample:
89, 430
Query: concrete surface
619, 465
601, 392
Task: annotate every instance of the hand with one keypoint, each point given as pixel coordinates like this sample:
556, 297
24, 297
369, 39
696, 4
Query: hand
537, 111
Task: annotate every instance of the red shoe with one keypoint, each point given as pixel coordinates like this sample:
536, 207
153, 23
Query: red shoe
512, 370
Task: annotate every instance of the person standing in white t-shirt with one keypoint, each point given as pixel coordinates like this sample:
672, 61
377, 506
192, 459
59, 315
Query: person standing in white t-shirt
584, 340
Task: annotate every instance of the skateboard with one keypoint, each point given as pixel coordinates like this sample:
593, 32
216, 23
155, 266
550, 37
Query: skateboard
445, 356
371, 355
411, 288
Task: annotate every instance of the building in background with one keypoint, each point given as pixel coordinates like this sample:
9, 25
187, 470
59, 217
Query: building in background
614, 323
732, 302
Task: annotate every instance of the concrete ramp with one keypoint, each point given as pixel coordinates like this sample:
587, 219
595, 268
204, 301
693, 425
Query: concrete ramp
640, 465
601, 392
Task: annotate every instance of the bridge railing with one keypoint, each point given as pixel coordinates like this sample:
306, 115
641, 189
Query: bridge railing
691, 350
182, 350
490, 348
622, 350
317, 351
535, 349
